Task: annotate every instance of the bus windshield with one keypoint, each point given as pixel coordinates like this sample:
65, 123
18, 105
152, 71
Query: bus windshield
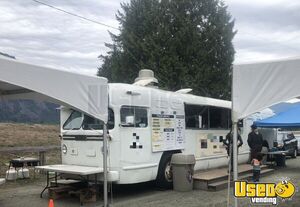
74, 121
78, 120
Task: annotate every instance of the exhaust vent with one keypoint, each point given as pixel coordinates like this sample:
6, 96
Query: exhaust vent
146, 78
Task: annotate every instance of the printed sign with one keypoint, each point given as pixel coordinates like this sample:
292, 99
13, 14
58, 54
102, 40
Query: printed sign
264, 193
167, 132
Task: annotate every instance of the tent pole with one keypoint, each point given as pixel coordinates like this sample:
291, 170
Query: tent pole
105, 197
235, 157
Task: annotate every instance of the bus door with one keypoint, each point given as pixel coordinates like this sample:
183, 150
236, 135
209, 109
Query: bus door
135, 134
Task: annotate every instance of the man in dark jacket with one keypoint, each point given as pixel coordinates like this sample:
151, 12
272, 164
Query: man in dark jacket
228, 142
255, 141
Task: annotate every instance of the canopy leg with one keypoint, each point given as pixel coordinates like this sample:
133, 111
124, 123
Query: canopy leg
105, 197
235, 158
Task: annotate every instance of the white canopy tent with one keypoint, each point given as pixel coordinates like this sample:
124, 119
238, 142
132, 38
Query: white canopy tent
260, 85
88, 94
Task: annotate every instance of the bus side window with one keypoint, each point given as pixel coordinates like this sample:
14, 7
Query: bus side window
206, 117
219, 118
134, 116
196, 116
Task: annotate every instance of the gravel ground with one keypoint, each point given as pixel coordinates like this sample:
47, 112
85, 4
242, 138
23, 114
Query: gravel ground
145, 195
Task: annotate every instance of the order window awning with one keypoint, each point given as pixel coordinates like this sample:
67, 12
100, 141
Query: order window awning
88, 94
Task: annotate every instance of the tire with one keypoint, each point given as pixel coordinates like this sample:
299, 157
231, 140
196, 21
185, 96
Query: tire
164, 177
295, 152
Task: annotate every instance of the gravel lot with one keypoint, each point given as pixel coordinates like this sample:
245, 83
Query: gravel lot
26, 194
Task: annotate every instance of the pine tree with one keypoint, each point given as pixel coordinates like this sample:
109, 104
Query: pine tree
187, 43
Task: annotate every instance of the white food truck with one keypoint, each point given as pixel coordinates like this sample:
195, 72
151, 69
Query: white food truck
146, 126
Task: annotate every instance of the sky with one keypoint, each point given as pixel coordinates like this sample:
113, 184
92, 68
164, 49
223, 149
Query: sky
34, 33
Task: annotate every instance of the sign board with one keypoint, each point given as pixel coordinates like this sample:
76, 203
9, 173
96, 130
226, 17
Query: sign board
167, 132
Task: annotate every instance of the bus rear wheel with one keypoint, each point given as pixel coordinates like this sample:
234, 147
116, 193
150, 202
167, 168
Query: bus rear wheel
165, 176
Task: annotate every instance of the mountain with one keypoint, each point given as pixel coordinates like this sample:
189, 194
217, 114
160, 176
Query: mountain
28, 111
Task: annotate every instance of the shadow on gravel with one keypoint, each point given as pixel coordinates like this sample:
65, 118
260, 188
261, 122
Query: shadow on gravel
125, 190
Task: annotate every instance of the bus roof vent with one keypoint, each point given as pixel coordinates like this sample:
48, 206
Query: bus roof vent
146, 78
184, 90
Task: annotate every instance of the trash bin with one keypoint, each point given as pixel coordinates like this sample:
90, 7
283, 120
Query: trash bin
183, 170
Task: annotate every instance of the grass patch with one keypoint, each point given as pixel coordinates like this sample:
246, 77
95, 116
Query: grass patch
22, 135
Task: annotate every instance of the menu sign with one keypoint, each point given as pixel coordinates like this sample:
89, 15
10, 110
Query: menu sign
167, 132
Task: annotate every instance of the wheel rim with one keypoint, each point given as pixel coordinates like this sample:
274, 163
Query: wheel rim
168, 172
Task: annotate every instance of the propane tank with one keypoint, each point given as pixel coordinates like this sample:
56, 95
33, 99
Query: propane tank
23, 173
11, 174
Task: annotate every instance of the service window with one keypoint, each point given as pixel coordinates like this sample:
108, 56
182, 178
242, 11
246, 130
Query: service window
90, 123
219, 118
134, 116
196, 116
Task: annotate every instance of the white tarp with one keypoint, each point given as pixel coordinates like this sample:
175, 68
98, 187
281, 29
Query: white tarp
260, 85
88, 94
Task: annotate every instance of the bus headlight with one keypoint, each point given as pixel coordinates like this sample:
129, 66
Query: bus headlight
64, 149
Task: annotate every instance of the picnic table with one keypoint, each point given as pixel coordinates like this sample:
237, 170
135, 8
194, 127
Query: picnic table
277, 156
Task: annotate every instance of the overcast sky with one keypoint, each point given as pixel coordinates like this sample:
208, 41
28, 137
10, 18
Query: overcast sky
267, 29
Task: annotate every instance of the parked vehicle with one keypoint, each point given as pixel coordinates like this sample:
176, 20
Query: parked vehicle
147, 126
287, 141
298, 140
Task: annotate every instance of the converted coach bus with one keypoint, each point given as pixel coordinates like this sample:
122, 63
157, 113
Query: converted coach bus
146, 126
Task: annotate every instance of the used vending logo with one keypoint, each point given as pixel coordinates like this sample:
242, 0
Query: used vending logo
264, 193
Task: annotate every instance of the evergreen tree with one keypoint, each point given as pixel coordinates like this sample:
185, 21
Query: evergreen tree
187, 43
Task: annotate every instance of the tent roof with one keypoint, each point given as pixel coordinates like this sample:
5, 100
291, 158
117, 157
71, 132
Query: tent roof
88, 94
285, 119
260, 85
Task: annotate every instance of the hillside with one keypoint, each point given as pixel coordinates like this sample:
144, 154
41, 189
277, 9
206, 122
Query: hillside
28, 111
